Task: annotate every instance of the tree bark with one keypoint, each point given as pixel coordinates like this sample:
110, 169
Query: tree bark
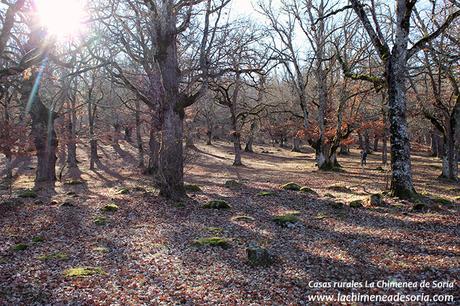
139, 142
295, 144
250, 142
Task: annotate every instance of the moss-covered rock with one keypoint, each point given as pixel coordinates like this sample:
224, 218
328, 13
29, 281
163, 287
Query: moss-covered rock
38, 239
258, 256
340, 188
216, 204
122, 190
357, 204
266, 193
100, 221
214, 230
101, 249
111, 207
192, 188
232, 184
291, 186
308, 190
54, 256
243, 218
73, 182
286, 220
212, 241
19, 247
83, 272
27, 194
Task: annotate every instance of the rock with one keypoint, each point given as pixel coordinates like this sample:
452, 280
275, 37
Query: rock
243, 218
216, 204
67, 203
286, 220
266, 193
73, 182
100, 221
27, 194
112, 207
192, 188
38, 202
291, 186
420, 207
212, 241
232, 184
308, 190
337, 205
375, 199
357, 204
123, 190
258, 256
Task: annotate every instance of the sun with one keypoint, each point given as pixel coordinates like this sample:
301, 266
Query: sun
64, 19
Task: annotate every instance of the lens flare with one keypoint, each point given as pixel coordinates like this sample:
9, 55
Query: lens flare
64, 19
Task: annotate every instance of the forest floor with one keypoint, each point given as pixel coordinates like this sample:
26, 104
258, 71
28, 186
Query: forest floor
144, 253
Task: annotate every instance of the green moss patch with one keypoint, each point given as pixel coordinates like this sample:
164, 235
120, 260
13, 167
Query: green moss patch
112, 207
266, 193
38, 239
243, 218
100, 221
286, 219
291, 186
27, 193
19, 247
83, 272
73, 182
216, 204
214, 230
192, 188
101, 249
54, 256
122, 190
357, 204
308, 190
213, 242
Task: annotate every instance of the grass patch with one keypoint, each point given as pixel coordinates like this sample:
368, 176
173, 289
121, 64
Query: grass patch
83, 272
19, 247
266, 194
192, 188
216, 204
112, 207
100, 221
243, 218
54, 256
291, 186
212, 241
27, 194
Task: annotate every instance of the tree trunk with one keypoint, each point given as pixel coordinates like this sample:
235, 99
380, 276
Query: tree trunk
367, 145
376, 143
295, 144
154, 148
434, 144
401, 180
385, 148
44, 135
171, 169
250, 142
344, 150
450, 158
128, 134
71, 142
139, 142
209, 134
